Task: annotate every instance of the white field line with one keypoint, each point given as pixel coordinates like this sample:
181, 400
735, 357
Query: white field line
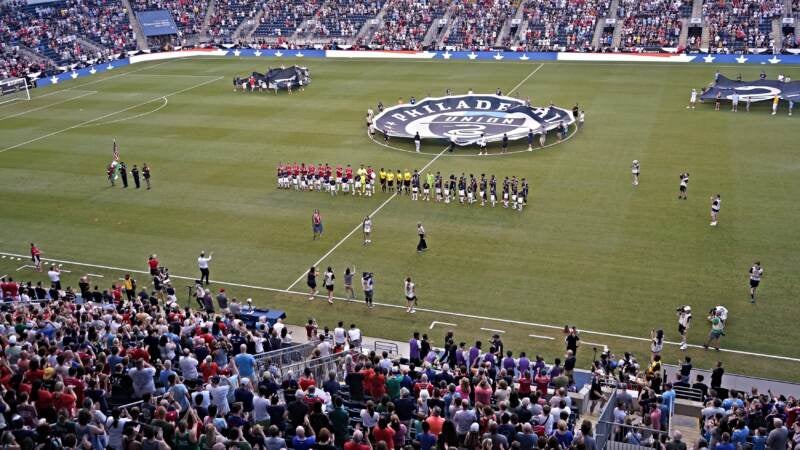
541, 337
596, 344
436, 322
95, 275
525, 79
493, 330
358, 226
101, 80
11, 116
302, 275
124, 119
427, 310
86, 122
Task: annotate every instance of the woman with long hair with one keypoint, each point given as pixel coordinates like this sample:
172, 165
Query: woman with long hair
656, 342
448, 438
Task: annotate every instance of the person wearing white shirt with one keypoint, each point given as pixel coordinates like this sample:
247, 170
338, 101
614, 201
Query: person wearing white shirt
219, 394
202, 264
354, 335
339, 336
324, 347
55, 277
188, 366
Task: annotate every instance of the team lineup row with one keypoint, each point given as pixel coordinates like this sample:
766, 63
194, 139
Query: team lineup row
467, 189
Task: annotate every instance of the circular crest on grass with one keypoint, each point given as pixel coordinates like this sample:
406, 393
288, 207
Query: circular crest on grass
468, 119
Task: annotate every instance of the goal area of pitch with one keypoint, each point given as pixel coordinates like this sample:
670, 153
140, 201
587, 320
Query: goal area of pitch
13, 89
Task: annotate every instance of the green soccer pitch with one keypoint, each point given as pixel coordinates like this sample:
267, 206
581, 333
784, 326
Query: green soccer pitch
590, 249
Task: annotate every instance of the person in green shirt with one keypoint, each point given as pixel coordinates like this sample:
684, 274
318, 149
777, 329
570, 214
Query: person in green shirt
340, 421
717, 327
393, 384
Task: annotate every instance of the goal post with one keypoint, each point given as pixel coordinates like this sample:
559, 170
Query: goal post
12, 89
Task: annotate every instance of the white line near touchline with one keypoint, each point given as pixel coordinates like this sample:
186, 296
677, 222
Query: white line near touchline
11, 116
525, 79
300, 278
357, 227
432, 311
44, 136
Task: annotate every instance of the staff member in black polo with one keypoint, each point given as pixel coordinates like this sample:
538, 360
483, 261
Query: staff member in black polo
422, 245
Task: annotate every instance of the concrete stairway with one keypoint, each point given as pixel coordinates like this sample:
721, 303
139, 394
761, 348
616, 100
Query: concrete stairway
364, 35
684, 33
520, 14
141, 40
435, 36
777, 33
210, 11
601, 23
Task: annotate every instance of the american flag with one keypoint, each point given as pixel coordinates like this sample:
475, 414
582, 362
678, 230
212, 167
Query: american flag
115, 151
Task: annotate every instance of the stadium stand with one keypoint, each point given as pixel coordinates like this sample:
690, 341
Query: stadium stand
562, 24
477, 25
344, 18
229, 14
188, 14
405, 23
112, 366
651, 25
282, 18
739, 25
53, 29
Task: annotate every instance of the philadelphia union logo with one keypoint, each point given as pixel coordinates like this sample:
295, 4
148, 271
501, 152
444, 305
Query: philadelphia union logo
463, 119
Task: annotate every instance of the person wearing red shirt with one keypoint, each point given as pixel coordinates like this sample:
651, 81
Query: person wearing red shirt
423, 384
378, 384
209, 369
542, 381
306, 380
36, 257
152, 263
525, 384
357, 442
116, 293
43, 400
435, 421
34, 372
383, 432
369, 375
140, 353
76, 384
64, 399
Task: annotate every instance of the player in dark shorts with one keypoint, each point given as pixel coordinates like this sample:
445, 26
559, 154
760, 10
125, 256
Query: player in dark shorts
316, 224
684, 185
756, 272
311, 281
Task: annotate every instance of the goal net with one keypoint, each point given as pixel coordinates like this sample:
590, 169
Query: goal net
12, 89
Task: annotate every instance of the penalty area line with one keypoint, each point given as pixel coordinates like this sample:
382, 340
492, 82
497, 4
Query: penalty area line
427, 310
358, 226
49, 105
86, 122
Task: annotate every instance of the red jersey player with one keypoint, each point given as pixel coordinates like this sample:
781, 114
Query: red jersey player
36, 257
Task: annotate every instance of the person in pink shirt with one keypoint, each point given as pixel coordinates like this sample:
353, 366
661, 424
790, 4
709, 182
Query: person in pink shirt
483, 393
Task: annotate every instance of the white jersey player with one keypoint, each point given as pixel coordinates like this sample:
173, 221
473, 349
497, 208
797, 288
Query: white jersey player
635, 171
692, 99
366, 227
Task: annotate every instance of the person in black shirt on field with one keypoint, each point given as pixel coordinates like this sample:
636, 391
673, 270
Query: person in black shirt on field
572, 340
146, 175
123, 172
135, 173
505, 142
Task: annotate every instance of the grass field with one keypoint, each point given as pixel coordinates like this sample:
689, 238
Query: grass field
590, 250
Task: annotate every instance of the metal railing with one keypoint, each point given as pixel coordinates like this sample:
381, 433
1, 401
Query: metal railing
286, 355
319, 367
614, 436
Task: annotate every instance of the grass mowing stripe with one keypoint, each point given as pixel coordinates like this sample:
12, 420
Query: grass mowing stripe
525, 79
300, 278
86, 122
432, 311
11, 116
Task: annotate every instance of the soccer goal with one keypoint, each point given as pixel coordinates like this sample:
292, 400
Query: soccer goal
12, 89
